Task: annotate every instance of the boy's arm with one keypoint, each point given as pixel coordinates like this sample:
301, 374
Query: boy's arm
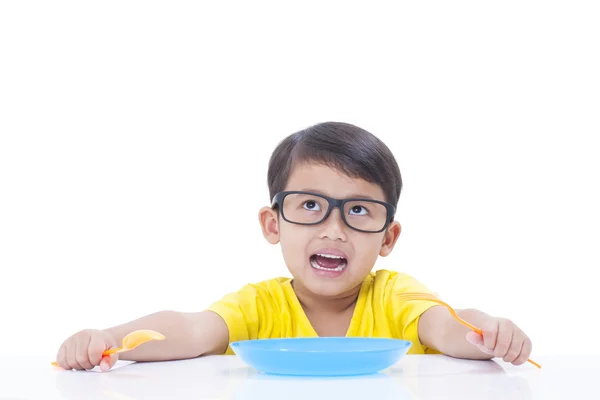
501, 337
188, 335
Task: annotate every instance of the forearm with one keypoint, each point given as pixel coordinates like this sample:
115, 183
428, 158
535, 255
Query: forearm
454, 342
180, 343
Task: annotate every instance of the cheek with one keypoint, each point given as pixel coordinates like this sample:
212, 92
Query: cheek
367, 250
293, 243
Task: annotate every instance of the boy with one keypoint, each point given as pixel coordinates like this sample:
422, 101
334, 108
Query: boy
334, 190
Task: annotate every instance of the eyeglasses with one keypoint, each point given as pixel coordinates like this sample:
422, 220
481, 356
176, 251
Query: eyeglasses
306, 208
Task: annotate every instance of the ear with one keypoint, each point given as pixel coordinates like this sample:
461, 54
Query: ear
390, 238
269, 224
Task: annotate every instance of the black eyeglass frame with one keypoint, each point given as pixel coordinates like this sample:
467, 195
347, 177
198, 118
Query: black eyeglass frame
279, 198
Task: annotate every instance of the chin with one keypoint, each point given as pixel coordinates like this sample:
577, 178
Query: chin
328, 287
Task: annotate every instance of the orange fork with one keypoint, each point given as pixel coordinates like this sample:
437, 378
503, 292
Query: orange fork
432, 298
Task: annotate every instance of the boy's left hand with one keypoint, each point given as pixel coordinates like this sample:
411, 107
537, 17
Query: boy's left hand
503, 339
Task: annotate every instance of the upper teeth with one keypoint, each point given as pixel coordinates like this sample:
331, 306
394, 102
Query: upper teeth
329, 256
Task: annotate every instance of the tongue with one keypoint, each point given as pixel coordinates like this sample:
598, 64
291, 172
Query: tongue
325, 262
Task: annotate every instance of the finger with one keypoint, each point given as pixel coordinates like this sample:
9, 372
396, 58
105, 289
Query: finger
108, 362
504, 339
72, 357
477, 340
113, 359
516, 345
83, 344
61, 357
490, 334
96, 347
474, 338
525, 352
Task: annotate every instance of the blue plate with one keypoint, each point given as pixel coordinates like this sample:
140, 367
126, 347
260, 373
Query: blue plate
326, 356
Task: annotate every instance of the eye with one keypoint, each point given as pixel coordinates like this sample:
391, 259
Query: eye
311, 205
358, 210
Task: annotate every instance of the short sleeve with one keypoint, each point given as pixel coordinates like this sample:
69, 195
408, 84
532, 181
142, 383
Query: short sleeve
406, 314
240, 311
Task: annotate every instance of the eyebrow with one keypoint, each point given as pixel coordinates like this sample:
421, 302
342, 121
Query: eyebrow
352, 196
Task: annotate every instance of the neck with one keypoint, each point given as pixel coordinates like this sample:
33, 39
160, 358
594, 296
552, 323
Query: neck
312, 303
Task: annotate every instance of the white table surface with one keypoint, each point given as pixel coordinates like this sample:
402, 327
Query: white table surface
29, 376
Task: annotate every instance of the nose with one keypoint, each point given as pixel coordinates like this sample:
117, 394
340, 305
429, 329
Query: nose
333, 228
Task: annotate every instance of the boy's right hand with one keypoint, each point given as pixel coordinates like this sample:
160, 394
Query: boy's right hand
84, 350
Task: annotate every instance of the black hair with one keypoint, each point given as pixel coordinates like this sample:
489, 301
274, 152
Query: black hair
345, 147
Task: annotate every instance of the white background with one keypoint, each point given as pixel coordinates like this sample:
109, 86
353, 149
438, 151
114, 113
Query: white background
134, 141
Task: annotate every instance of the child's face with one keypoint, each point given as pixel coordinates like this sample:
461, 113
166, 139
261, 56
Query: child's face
301, 243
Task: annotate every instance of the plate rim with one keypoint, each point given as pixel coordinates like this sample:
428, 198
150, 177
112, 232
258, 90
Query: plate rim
404, 344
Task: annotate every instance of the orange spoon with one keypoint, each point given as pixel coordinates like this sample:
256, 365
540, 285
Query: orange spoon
131, 341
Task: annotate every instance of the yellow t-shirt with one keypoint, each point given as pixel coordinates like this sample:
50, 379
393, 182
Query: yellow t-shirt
270, 309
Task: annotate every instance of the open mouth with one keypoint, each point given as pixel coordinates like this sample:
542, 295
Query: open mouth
328, 262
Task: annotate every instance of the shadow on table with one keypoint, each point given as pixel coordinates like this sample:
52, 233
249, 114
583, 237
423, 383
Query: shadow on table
446, 378
464, 379
267, 387
183, 379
